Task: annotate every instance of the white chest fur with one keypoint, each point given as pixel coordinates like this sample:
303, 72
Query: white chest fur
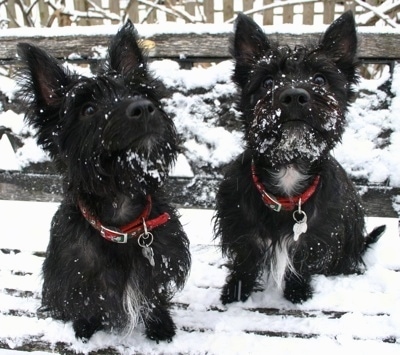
278, 261
289, 180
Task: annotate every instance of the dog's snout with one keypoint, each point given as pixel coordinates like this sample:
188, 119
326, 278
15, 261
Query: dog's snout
140, 109
294, 97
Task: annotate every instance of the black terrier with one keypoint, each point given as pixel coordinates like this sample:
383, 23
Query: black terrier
117, 251
286, 206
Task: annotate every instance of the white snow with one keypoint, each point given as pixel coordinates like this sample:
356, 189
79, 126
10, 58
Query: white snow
11, 162
371, 300
182, 168
362, 152
146, 31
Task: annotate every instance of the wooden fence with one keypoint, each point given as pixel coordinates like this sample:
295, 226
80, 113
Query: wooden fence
48, 13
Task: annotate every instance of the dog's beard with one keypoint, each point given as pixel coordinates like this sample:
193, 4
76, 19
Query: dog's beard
147, 167
144, 170
294, 144
134, 170
286, 141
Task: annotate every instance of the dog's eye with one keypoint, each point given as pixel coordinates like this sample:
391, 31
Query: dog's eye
268, 82
319, 79
88, 110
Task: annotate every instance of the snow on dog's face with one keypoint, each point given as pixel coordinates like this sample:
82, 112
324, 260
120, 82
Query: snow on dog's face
294, 101
111, 124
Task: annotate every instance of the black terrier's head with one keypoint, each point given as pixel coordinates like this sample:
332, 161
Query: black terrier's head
107, 131
294, 101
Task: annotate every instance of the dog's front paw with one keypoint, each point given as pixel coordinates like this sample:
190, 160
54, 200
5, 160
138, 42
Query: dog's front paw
84, 329
297, 291
160, 326
235, 291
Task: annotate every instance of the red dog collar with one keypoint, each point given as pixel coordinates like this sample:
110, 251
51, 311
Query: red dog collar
287, 203
133, 229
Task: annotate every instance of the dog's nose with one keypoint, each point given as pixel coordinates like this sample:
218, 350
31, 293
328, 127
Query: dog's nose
140, 109
294, 97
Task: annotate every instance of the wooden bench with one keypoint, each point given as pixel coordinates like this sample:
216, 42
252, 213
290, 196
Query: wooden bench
266, 321
187, 44
41, 183
184, 43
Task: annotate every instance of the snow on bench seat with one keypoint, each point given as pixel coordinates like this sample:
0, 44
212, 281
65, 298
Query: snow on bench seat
357, 313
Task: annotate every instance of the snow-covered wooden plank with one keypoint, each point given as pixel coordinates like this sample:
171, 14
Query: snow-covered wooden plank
199, 46
185, 192
356, 312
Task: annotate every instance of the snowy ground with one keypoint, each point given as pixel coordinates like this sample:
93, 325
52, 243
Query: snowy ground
356, 314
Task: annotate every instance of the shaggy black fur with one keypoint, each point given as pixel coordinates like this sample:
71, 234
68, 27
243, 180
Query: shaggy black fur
114, 144
293, 104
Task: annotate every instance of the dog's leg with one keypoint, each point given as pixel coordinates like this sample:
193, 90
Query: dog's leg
238, 287
84, 329
159, 324
244, 272
297, 287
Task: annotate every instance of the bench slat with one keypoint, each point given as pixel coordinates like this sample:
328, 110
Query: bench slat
206, 46
194, 193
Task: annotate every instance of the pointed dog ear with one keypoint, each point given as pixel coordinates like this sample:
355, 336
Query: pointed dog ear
340, 41
249, 41
125, 55
43, 83
43, 76
248, 45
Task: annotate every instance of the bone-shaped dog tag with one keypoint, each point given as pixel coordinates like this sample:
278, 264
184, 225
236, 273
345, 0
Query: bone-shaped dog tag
298, 229
300, 226
148, 253
145, 240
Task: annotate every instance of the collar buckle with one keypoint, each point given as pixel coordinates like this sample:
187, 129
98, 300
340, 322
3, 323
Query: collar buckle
271, 201
113, 235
